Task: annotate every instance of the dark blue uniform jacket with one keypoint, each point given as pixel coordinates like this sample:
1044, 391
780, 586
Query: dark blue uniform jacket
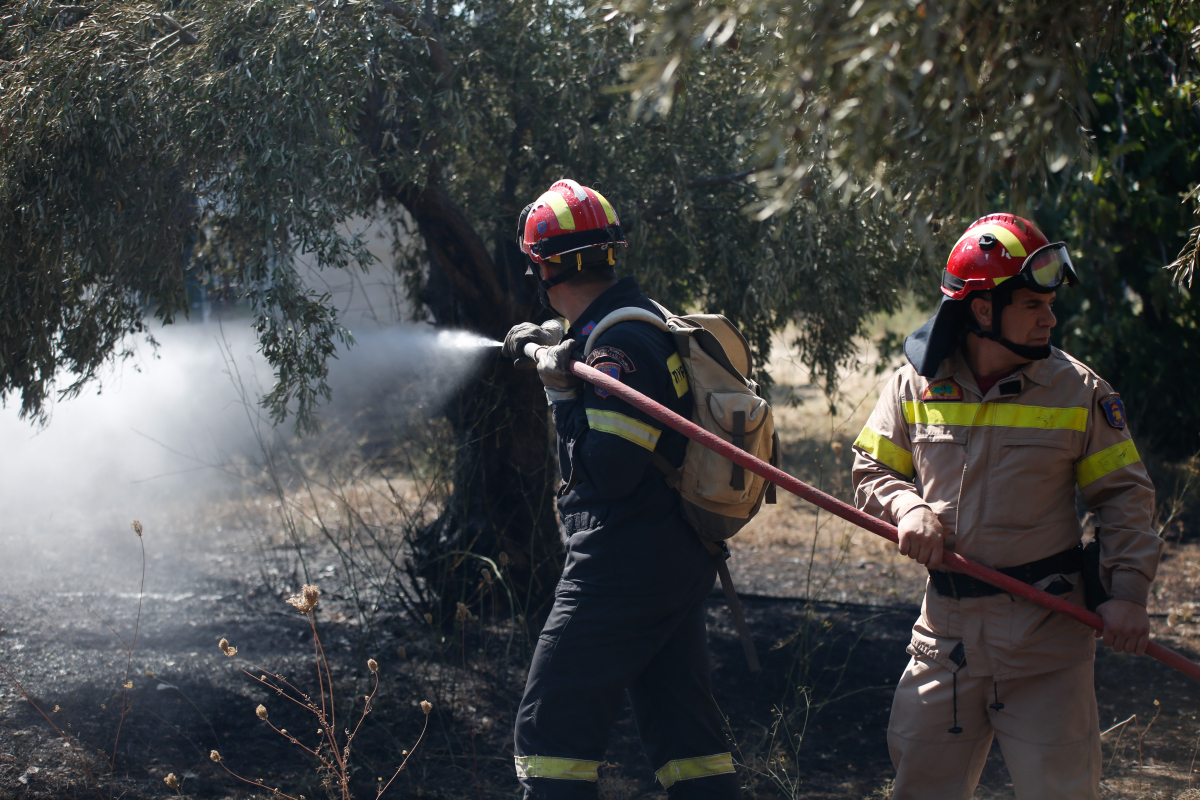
624, 531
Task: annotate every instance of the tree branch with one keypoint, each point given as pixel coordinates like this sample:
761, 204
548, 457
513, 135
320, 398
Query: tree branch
185, 36
459, 255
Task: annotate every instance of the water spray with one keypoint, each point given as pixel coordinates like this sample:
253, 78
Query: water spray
849, 512
464, 340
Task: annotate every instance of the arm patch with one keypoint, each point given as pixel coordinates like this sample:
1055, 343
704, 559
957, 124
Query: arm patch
1114, 410
612, 354
611, 361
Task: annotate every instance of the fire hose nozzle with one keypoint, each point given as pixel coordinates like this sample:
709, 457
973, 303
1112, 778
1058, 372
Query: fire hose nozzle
532, 350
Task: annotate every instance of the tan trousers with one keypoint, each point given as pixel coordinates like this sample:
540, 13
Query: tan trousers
1048, 729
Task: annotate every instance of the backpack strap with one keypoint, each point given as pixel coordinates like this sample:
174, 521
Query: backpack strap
627, 314
720, 554
672, 475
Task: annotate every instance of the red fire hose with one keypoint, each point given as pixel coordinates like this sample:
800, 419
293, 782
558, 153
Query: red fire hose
859, 518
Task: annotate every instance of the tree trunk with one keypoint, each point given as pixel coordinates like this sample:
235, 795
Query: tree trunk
502, 503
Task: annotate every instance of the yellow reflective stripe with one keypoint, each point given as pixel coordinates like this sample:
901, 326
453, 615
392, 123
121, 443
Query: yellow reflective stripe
1007, 238
609, 213
883, 450
560, 208
940, 413
624, 426
683, 769
1001, 415
1107, 460
563, 769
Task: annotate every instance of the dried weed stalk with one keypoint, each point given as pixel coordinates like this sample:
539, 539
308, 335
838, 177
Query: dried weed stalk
332, 753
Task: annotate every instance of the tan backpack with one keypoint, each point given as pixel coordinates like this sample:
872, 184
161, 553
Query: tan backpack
719, 496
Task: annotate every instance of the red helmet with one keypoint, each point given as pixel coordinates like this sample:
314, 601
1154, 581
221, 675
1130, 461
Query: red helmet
568, 218
993, 250
1002, 246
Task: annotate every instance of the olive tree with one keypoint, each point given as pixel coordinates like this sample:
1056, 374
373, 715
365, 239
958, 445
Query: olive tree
141, 142
776, 162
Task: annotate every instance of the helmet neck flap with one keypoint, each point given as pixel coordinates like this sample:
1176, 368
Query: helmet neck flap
927, 346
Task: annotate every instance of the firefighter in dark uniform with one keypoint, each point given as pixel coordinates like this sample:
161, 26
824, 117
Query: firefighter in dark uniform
628, 613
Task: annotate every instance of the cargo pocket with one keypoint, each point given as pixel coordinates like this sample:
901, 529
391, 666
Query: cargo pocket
738, 418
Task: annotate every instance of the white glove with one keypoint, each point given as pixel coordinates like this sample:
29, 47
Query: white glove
554, 368
547, 334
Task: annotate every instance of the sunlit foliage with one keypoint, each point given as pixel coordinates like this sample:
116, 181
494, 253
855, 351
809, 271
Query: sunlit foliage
229, 137
1125, 213
933, 104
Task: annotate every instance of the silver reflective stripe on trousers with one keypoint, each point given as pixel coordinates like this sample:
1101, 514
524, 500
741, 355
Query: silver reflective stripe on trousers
682, 769
565, 769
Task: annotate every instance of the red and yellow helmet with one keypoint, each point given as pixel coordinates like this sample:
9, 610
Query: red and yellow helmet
568, 218
1002, 246
999, 251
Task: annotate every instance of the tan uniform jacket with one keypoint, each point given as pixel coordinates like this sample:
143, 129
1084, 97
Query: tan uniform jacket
1000, 471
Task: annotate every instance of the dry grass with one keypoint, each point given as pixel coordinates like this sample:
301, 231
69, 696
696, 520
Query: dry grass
793, 549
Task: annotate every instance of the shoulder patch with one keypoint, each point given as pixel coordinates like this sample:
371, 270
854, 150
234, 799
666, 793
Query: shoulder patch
587, 329
611, 370
947, 389
1114, 410
613, 354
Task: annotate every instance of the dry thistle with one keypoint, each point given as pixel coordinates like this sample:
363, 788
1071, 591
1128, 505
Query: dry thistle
306, 601
171, 780
137, 527
261, 712
503, 559
487, 575
463, 614
227, 648
372, 665
426, 706
429, 619
215, 756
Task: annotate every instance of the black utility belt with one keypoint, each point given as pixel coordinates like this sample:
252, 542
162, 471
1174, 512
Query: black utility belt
958, 585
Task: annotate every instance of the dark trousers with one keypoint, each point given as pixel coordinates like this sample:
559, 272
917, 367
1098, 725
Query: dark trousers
591, 650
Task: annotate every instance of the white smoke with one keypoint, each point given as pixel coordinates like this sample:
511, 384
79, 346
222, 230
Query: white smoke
158, 433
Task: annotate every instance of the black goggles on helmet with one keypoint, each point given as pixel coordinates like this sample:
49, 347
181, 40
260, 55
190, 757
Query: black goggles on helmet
1047, 268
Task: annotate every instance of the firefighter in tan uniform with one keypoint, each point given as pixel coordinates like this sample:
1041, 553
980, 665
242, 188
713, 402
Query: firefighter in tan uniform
978, 446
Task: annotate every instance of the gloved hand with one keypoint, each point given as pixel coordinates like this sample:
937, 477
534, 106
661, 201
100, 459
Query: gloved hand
554, 368
548, 334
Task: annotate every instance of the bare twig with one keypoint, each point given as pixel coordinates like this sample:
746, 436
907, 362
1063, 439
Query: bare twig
185, 36
426, 708
66, 737
257, 784
125, 684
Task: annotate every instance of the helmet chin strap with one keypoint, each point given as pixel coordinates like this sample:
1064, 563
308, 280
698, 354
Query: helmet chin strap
1030, 351
563, 275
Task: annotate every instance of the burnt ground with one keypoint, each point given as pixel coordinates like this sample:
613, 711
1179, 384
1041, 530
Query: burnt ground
828, 672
